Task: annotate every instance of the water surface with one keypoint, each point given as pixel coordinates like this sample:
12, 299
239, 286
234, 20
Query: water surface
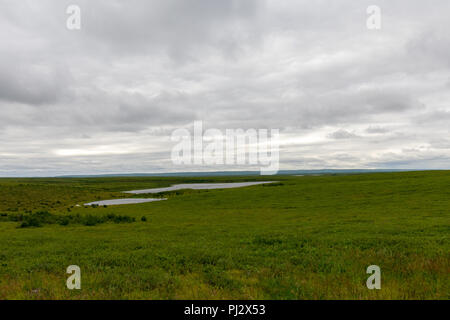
200, 186
121, 201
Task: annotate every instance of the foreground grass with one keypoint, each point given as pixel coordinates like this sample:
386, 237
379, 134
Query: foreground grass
307, 237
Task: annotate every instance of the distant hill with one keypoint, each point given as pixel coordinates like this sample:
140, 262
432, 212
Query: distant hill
237, 173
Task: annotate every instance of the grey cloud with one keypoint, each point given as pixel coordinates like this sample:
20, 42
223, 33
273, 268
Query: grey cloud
376, 130
137, 70
30, 83
342, 134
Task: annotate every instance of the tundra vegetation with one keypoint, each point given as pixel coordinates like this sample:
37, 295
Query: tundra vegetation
309, 237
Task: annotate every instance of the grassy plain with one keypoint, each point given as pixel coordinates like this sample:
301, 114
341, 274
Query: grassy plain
308, 237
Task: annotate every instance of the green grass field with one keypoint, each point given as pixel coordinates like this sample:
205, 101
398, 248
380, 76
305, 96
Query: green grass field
306, 237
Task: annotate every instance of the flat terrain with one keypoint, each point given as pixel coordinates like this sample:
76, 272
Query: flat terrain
305, 237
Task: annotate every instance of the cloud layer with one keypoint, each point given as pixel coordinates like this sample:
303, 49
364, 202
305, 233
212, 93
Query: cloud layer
106, 98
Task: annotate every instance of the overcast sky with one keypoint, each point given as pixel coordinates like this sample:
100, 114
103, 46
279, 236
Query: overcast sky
106, 98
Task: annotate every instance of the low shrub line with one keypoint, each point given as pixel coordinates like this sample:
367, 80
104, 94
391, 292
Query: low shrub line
40, 218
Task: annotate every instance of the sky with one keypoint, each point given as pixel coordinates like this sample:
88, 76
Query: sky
106, 98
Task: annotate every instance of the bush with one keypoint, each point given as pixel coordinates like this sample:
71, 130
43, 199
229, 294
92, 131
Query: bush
121, 219
40, 218
143, 219
31, 222
90, 220
64, 222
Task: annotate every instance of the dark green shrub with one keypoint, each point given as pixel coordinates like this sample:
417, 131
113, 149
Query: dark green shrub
64, 221
40, 218
122, 219
31, 222
90, 220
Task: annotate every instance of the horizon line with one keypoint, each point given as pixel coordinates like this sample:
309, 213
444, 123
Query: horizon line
218, 173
